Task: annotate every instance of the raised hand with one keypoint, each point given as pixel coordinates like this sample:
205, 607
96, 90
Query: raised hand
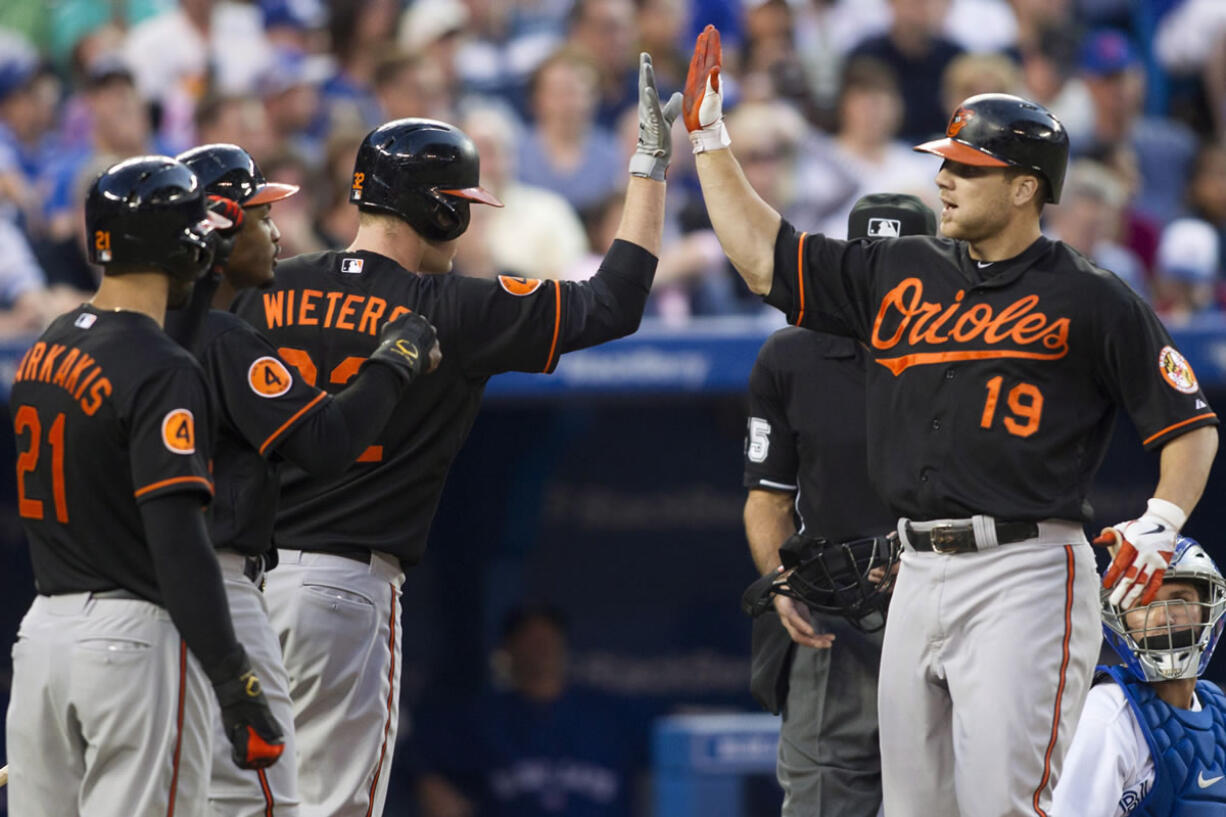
655, 146
704, 104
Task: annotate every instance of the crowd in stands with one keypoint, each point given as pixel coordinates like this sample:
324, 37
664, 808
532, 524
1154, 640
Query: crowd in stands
824, 100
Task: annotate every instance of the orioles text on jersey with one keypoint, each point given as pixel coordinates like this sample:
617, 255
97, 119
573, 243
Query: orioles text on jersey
76, 372
1017, 331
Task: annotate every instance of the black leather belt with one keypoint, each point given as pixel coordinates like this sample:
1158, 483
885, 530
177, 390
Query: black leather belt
959, 537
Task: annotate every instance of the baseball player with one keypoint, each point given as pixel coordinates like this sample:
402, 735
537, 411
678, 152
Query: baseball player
1152, 738
805, 463
110, 707
998, 359
267, 416
344, 541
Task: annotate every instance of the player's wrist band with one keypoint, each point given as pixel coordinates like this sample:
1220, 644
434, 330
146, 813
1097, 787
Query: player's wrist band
1168, 512
712, 137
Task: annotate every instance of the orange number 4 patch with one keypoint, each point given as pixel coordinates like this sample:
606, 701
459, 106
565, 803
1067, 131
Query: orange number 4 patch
179, 431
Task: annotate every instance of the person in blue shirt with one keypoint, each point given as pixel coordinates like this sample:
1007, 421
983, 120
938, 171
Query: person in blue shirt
541, 746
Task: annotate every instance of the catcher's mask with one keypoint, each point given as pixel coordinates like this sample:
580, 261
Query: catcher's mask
832, 578
1173, 638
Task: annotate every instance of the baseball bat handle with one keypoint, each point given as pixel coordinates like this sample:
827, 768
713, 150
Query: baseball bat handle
4, 776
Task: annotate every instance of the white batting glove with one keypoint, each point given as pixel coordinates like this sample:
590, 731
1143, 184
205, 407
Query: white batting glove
1145, 547
704, 105
655, 145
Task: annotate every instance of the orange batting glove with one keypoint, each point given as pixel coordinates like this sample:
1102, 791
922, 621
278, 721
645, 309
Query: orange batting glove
703, 105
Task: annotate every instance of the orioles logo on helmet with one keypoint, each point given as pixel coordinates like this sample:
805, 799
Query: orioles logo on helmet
959, 120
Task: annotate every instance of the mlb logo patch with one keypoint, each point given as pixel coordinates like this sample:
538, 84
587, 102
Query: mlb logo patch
85, 320
353, 265
884, 227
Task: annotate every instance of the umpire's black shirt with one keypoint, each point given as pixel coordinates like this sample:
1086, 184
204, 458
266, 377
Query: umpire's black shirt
806, 433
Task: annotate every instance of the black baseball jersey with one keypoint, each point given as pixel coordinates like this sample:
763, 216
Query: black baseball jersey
258, 400
806, 432
108, 412
992, 387
323, 315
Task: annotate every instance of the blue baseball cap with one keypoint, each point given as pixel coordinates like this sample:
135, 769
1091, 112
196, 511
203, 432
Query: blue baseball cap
1106, 52
16, 71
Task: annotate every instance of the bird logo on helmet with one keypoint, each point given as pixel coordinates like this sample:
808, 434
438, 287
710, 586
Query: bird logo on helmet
1001, 130
1172, 638
149, 211
423, 171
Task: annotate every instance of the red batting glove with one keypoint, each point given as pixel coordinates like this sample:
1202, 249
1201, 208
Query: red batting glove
703, 106
1145, 548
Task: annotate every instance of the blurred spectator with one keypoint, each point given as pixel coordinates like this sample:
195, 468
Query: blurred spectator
408, 85
1049, 61
70, 21
973, 74
296, 25
1088, 220
1187, 35
1207, 187
604, 29
295, 215
434, 30
773, 68
336, 223
1138, 232
918, 54
28, 98
289, 87
119, 127
533, 745
1188, 271
237, 120
537, 234
1164, 148
181, 53
982, 26
1036, 18
566, 150
865, 147
359, 32
663, 28
825, 30
69, 275
24, 309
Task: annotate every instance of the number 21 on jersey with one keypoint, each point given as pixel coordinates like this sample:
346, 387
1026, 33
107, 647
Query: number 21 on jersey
27, 420
1025, 407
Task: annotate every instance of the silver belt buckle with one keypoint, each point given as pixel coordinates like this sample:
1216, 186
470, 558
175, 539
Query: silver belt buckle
944, 539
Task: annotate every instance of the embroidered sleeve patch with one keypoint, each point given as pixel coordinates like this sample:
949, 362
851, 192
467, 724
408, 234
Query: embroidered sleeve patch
1176, 371
519, 286
179, 431
268, 377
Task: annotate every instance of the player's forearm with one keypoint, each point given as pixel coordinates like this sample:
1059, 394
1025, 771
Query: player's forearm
643, 214
1185, 465
745, 224
327, 441
768, 523
189, 579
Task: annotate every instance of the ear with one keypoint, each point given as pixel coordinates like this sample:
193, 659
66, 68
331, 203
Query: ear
1025, 190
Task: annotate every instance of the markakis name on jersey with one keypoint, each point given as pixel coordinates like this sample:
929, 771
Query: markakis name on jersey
943, 333
331, 309
69, 368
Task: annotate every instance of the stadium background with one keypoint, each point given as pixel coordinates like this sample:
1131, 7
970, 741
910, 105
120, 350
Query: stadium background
612, 489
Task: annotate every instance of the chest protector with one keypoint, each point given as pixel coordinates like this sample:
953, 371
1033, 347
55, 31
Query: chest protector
1188, 750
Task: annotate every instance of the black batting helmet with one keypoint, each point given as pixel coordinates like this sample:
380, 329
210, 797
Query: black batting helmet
1001, 130
424, 171
230, 172
835, 578
149, 211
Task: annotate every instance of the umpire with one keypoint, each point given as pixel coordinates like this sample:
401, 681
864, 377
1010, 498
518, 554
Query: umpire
806, 471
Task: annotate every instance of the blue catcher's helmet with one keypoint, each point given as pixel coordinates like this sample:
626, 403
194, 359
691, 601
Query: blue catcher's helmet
1175, 638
